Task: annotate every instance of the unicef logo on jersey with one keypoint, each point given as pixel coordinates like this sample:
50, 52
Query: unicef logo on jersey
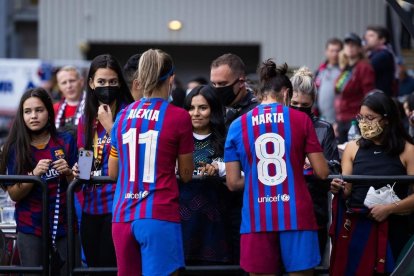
285, 197
139, 195
277, 198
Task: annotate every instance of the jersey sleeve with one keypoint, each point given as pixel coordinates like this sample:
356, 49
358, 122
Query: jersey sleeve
230, 147
113, 153
186, 142
114, 140
312, 142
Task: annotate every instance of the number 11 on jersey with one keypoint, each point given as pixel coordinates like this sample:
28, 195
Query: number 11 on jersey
149, 139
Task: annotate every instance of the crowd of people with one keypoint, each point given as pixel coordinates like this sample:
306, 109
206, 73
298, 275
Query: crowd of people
251, 163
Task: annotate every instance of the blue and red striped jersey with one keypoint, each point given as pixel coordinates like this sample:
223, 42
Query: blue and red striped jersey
98, 199
147, 137
29, 209
271, 143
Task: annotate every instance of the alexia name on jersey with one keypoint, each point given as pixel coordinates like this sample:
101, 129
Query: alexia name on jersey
148, 114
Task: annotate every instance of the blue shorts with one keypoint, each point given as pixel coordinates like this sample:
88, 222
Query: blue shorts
153, 246
269, 252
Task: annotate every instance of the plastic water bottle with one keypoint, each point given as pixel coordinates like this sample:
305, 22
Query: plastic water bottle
353, 132
7, 211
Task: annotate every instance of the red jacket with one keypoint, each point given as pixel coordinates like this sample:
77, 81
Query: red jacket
361, 82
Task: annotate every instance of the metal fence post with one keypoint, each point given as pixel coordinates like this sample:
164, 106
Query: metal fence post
45, 223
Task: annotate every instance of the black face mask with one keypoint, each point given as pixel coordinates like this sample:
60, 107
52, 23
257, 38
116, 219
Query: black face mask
226, 94
307, 110
106, 94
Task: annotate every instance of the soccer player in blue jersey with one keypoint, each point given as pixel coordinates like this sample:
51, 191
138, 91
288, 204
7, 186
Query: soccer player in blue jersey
270, 144
149, 138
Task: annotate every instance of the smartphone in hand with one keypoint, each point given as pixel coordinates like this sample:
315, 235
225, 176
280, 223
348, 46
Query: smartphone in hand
85, 164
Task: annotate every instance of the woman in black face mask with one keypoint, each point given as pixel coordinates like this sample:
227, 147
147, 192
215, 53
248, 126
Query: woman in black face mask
303, 97
107, 94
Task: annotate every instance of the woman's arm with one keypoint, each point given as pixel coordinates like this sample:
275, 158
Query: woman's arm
347, 166
113, 167
319, 165
185, 167
234, 178
19, 191
381, 212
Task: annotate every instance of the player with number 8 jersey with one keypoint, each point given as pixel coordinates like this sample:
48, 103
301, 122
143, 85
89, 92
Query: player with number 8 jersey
271, 153
270, 143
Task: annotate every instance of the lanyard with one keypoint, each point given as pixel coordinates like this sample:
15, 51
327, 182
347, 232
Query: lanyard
98, 147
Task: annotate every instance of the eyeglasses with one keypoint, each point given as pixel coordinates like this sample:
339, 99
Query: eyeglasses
368, 118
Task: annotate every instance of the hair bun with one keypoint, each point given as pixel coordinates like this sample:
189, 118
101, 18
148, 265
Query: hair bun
303, 72
269, 70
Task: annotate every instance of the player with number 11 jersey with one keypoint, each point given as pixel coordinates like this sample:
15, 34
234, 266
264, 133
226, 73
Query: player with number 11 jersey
147, 139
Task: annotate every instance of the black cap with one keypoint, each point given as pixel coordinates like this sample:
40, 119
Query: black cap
352, 37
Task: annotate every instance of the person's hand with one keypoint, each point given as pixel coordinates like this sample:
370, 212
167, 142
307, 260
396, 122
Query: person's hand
105, 117
62, 166
42, 167
75, 170
208, 169
380, 212
337, 185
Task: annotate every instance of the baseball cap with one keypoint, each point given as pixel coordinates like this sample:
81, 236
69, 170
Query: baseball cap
352, 37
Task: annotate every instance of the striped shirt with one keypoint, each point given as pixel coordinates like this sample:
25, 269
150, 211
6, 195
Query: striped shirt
271, 142
147, 138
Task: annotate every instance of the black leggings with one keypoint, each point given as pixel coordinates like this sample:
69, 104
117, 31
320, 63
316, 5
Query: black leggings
96, 238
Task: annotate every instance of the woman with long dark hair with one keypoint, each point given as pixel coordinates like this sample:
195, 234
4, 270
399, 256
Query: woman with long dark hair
205, 229
34, 147
107, 93
370, 235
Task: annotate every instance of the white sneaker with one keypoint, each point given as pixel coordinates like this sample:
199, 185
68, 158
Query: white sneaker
382, 196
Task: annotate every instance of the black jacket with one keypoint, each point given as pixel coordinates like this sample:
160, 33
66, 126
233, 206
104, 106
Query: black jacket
319, 188
245, 105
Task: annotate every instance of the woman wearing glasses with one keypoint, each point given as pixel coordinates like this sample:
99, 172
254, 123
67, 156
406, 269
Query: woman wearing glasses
369, 240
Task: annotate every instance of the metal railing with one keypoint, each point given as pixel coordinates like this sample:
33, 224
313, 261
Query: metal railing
200, 270
44, 269
72, 269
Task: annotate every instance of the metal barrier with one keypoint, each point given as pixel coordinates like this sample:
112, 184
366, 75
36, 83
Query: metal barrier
44, 269
201, 270
71, 235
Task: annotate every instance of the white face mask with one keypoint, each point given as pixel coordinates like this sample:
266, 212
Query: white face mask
370, 130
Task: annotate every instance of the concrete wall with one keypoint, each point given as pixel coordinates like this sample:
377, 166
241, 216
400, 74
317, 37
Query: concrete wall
291, 31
